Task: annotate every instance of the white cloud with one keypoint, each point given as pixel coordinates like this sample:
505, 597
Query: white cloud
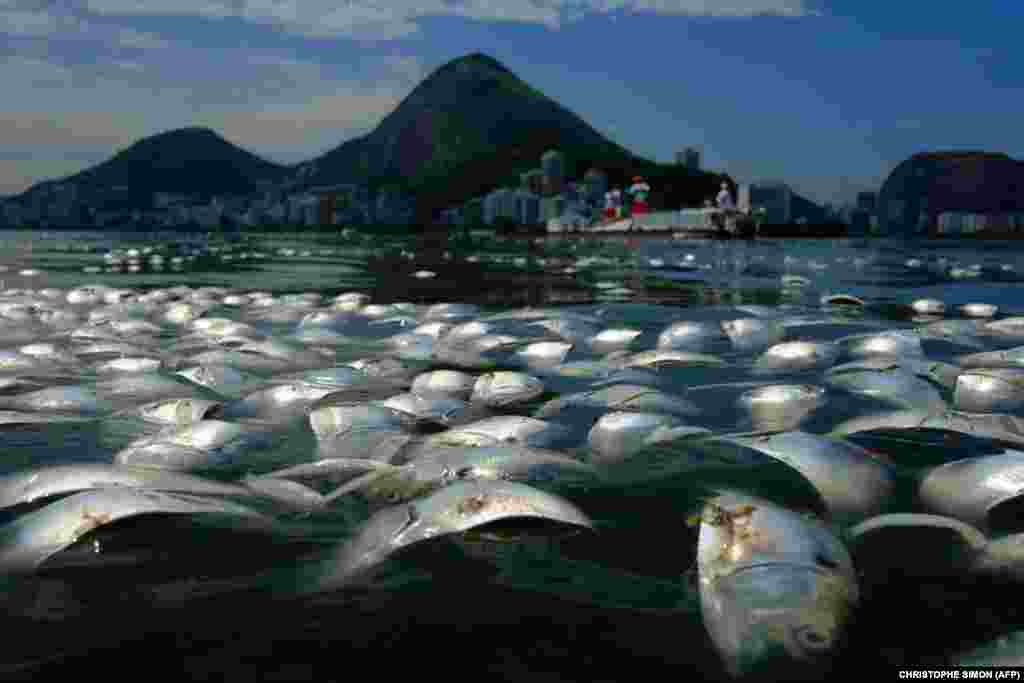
386, 19
42, 20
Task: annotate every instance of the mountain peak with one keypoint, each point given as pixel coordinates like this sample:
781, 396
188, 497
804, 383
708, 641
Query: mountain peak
474, 61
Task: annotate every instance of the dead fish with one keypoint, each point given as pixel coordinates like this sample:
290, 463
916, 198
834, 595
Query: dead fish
917, 544
440, 410
64, 399
983, 491
979, 310
796, 355
616, 436
669, 358
223, 379
179, 411
928, 307
31, 539
780, 406
449, 383
1006, 358
888, 381
136, 364
1007, 327
509, 429
330, 421
206, 444
890, 343
776, 588
990, 390
37, 483
452, 509
278, 403
435, 467
692, 335
853, 484
621, 397
613, 339
544, 354
753, 334
505, 388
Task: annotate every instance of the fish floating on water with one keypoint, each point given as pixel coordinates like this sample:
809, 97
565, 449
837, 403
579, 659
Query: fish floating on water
372, 429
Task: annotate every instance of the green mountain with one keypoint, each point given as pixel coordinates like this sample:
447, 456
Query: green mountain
472, 126
194, 161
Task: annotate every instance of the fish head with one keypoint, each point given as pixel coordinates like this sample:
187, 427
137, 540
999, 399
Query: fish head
776, 588
776, 618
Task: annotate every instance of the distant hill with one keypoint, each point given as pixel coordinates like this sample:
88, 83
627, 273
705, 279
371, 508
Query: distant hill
473, 125
469, 127
186, 160
930, 183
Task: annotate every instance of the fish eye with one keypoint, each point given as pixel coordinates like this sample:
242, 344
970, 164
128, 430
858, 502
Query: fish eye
811, 639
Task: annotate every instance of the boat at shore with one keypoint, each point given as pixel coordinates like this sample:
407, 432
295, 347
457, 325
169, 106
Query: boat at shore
709, 222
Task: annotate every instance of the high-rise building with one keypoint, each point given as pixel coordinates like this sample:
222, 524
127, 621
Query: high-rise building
553, 164
689, 157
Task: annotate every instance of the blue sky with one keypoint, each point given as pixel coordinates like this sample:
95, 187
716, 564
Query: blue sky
828, 96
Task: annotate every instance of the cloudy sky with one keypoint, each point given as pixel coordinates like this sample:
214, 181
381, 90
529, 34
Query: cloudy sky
826, 95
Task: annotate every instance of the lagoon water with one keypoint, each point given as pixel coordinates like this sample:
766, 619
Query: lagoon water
611, 605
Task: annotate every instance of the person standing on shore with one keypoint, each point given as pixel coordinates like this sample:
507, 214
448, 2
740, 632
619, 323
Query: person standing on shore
728, 207
639, 191
724, 198
613, 203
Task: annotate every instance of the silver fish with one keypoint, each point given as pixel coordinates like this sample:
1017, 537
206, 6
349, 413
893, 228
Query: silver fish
31, 539
775, 587
510, 429
853, 484
917, 544
781, 406
452, 509
450, 383
796, 355
990, 390
692, 335
505, 388
983, 491
885, 380
616, 436
26, 486
621, 397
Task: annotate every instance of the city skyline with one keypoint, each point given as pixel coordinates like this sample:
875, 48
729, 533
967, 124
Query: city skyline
828, 97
